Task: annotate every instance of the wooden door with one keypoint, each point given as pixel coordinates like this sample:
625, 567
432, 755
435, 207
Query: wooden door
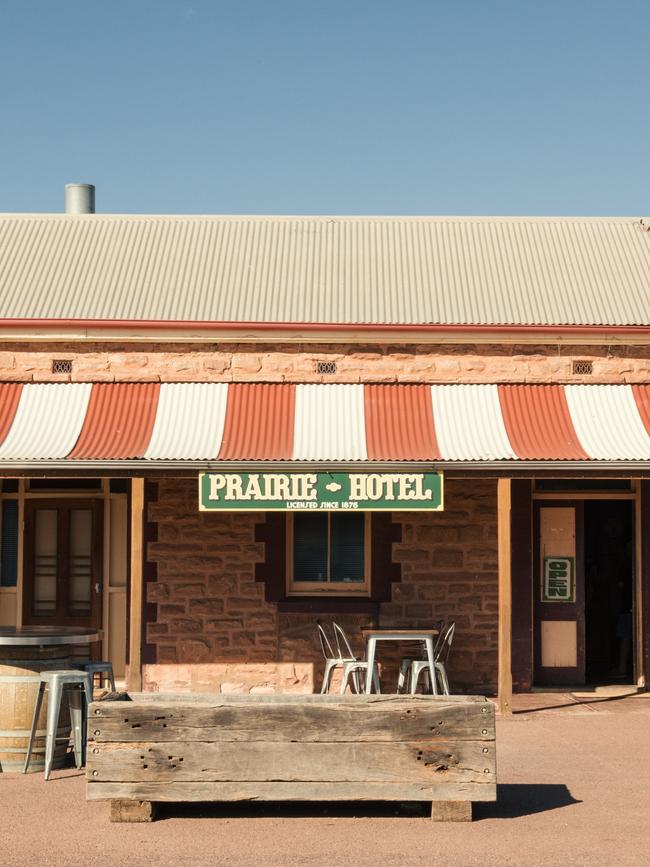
63, 563
559, 593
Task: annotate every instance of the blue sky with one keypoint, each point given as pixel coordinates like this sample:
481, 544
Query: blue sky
331, 107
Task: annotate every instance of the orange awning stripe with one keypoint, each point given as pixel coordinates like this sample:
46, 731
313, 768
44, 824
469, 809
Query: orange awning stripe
119, 421
399, 423
9, 396
538, 423
642, 399
259, 422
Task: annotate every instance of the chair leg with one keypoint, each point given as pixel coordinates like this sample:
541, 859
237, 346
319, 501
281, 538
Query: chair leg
327, 674
356, 682
440, 668
75, 702
404, 666
344, 679
88, 689
375, 680
111, 679
32, 735
53, 708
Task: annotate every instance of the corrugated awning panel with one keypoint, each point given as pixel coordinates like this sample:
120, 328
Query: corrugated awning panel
399, 423
47, 423
189, 421
259, 422
607, 422
118, 422
330, 423
323, 422
469, 423
9, 397
642, 399
538, 423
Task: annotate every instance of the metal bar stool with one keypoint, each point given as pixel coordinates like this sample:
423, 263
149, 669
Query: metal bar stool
81, 688
101, 668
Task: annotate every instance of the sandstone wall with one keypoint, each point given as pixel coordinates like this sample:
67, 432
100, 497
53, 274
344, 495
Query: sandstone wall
97, 362
211, 629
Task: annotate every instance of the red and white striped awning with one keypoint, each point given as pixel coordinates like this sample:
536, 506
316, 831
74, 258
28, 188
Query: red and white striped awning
153, 422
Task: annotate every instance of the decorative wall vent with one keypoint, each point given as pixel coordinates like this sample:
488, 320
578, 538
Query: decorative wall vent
61, 365
583, 368
326, 368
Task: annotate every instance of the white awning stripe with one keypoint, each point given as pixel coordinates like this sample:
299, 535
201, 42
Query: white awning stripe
469, 424
607, 422
329, 423
189, 421
48, 421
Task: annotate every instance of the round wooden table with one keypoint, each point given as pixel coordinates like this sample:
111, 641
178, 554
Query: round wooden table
24, 652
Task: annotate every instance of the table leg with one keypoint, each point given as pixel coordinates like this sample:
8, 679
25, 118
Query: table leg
432, 669
371, 663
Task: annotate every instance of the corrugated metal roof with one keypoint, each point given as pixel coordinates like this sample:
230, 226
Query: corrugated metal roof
375, 270
323, 423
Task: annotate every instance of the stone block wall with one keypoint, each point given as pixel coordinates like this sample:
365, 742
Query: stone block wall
449, 571
243, 362
213, 631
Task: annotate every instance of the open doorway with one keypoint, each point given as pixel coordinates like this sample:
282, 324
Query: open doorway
584, 576
609, 590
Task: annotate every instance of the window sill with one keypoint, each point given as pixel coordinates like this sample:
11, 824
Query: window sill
328, 605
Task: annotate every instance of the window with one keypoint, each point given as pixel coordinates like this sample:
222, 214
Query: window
328, 553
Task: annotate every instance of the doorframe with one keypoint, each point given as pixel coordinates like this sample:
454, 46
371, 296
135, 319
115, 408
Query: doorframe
103, 493
639, 675
96, 504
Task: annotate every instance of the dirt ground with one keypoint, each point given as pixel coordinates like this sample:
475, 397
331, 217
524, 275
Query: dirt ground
574, 788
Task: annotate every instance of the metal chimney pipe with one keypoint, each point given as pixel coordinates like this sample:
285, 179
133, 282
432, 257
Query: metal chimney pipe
80, 198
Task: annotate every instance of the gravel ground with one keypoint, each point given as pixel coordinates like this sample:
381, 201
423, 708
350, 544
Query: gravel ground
574, 788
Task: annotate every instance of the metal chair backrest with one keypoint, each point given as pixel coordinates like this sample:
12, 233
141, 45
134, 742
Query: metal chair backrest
445, 646
325, 643
439, 625
342, 644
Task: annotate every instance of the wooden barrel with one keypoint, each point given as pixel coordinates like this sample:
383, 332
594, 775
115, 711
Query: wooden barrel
19, 677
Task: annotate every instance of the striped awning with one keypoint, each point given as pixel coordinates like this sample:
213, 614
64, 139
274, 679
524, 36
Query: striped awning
152, 422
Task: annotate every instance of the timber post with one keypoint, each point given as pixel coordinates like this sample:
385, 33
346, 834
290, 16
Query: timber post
136, 585
504, 533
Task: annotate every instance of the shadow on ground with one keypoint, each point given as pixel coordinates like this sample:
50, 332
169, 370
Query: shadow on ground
575, 701
524, 799
513, 800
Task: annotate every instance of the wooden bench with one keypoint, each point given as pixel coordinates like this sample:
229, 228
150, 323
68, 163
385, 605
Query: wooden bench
156, 747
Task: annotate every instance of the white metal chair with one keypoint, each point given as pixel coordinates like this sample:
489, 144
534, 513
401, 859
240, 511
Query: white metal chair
332, 658
441, 655
352, 666
405, 664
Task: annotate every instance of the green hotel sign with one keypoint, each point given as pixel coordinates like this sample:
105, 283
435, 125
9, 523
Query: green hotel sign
261, 492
